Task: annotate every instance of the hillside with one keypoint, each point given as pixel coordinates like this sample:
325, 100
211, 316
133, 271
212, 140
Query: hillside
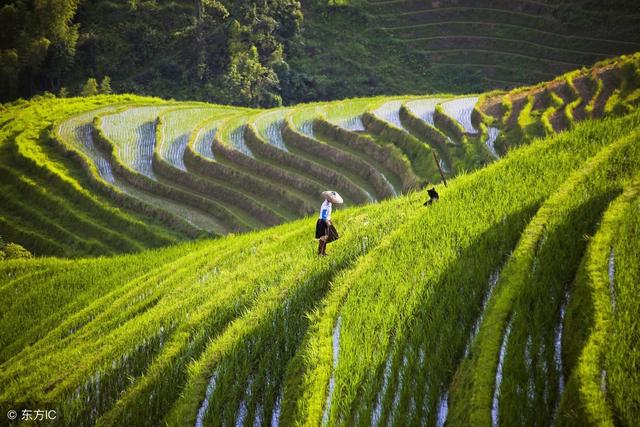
267, 53
460, 313
113, 174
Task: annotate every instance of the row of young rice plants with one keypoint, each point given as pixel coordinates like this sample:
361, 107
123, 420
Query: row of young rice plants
315, 173
348, 113
232, 134
286, 126
424, 108
239, 378
350, 175
602, 345
177, 125
85, 316
529, 124
18, 269
28, 151
460, 110
197, 324
479, 395
477, 143
623, 332
532, 366
578, 102
63, 288
269, 126
130, 137
258, 179
201, 139
418, 117
353, 167
168, 161
419, 153
122, 331
147, 401
55, 214
610, 82
303, 116
132, 130
553, 108
457, 109
272, 164
17, 231
77, 132
390, 112
341, 127
627, 95
31, 218
75, 135
419, 259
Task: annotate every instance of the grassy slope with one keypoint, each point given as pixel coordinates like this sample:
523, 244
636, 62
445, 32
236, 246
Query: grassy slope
27, 154
366, 47
141, 342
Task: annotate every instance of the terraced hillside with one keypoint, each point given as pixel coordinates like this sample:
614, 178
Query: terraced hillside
513, 300
81, 175
480, 45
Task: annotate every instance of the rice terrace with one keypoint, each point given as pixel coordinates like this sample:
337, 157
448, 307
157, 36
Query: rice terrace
471, 170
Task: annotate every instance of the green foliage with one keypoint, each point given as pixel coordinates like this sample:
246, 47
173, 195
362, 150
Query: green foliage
256, 321
38, 42
90, 88
15, 251
105, 86
251, 83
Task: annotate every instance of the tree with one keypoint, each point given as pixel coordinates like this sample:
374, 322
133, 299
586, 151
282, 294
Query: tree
248, 78
38, 44
105, 86
90, 88
16, 251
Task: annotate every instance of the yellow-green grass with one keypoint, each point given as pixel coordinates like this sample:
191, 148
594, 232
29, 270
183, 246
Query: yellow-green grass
137, 339
129, 137
536, 383
199, 156
74, 135
602, 86
26, 150
429, 281
316, 172
315, 148
600, 352
533, 267
168, 161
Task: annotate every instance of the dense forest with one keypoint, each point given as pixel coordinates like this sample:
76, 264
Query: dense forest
225, 51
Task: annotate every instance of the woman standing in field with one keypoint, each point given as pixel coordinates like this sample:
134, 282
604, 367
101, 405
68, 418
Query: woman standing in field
324, 220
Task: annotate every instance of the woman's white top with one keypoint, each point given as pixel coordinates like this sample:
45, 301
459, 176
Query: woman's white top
325, 210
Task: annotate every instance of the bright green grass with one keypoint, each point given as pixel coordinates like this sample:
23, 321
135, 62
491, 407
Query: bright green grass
26, 149
137, 339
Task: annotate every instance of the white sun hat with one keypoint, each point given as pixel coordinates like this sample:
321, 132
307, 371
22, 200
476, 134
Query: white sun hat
333, 197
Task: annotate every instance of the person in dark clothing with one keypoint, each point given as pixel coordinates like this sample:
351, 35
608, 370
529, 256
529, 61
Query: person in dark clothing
324, 220
433, 196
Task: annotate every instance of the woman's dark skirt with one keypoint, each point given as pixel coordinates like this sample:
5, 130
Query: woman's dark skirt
321, 228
